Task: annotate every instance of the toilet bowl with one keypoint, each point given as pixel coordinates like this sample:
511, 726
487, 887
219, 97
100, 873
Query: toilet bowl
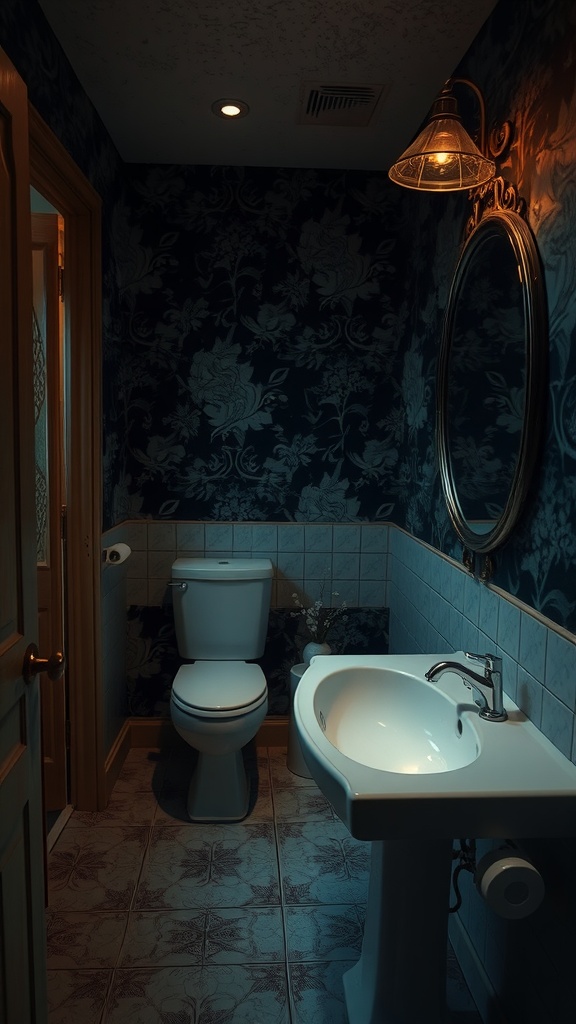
217, 707
219, 702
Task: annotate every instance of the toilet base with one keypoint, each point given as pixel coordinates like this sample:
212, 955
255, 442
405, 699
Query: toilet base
219, 789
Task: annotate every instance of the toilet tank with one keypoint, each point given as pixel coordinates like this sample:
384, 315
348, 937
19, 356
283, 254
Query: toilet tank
222, 613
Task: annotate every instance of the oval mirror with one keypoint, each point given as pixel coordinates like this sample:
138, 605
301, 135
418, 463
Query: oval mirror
492, 380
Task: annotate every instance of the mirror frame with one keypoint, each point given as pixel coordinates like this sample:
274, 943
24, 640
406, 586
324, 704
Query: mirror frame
498, 205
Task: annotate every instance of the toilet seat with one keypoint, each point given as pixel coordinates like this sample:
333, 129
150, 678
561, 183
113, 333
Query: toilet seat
219, 689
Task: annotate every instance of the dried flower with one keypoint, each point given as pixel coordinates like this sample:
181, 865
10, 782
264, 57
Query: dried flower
317, 618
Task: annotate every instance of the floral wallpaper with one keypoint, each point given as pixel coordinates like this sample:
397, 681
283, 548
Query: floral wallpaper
260, 375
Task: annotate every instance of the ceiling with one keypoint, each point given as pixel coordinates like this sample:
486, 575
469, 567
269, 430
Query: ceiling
153, 68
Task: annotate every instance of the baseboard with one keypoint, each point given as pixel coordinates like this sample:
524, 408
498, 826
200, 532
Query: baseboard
157, 732
151, 732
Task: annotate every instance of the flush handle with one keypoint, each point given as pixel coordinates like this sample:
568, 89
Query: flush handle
53, 666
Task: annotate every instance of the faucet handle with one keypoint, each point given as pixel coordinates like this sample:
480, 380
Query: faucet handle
483, 658
492, 663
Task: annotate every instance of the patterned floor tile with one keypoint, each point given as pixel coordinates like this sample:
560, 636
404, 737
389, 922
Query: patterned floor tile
282, 777
86, 940
209, 866
323, 933
199, 995
302, 804
96, 868
142, 771
75, 996
123, 808
320, 862
174, 938
317, 994
160, 938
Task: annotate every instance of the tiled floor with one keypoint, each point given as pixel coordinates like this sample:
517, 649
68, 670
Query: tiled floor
155, 920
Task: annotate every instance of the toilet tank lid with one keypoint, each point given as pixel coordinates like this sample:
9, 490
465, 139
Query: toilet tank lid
221, 568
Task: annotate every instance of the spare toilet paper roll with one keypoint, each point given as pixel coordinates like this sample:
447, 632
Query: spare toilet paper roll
117, 554
510, 884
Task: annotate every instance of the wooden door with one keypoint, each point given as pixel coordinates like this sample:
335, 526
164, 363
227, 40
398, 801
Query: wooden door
48, 343
22, 937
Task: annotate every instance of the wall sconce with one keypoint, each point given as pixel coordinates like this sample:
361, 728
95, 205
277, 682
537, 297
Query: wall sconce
443, 157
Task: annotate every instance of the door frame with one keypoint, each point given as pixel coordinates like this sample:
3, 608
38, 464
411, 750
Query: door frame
56, 176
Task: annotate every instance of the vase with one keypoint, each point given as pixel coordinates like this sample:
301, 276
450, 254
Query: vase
312, 648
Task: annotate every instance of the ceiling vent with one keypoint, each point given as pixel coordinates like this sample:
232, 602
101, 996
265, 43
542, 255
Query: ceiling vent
341, 106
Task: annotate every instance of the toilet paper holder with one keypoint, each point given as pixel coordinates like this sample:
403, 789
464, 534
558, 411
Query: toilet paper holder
509, 882
116, 554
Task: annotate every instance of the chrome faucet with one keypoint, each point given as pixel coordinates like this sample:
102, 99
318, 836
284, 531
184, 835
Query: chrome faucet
492, 678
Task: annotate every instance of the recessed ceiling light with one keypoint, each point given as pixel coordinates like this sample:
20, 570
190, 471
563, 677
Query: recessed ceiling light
230, 108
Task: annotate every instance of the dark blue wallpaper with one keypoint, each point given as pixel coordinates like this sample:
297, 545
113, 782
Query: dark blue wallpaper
261, 373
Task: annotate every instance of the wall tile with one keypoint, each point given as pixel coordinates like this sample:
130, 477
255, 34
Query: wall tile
318, 565
346, 538
291, 537
472, 591
470, 636
560, 669
162, 536
190, 537
346, 566
264, 537
372, 594
509, 674
529, 696
136, 535
218, 538
374, 538
372, 566
137, 565
242, 537
317, 537
557, 722
509, 628
533, 635
488, 613
160, 564
291, 564
348, 591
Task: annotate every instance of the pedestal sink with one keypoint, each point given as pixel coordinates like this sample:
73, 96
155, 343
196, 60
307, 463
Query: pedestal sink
409, 765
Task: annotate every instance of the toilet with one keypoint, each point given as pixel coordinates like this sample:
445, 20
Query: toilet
219, 702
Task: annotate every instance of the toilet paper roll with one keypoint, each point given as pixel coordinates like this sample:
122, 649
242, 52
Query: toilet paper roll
117, 554
510, 884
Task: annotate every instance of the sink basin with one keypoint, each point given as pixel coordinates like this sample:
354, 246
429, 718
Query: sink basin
392, 720
399, 757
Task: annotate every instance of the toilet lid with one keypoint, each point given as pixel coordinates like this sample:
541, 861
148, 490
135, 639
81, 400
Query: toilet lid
219, 686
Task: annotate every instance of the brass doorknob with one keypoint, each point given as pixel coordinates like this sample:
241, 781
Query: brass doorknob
53, 666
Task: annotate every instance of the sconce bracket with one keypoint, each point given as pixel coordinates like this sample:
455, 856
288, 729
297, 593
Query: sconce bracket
494, 196
500, 138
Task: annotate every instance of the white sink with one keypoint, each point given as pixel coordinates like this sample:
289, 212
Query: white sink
394, 721
410, 765
399, 757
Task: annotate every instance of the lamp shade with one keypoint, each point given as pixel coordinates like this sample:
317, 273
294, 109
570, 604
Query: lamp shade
443, 157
